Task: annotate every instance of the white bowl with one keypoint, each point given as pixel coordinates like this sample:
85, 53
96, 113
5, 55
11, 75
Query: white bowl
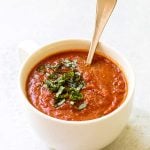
77, 135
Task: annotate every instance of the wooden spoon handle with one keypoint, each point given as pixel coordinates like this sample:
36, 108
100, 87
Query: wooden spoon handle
103, 11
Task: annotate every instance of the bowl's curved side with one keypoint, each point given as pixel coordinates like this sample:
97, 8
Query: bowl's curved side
74, 135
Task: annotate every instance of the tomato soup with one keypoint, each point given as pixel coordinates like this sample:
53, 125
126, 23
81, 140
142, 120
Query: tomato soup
64, 87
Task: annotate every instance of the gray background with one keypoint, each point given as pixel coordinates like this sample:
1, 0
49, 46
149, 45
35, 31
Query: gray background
46, 21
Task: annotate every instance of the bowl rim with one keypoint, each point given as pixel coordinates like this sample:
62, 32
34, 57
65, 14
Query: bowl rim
105, 117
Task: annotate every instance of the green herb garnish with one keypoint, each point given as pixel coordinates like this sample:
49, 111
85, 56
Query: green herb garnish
82, 106
53, 76
54, 67
60, 103
60, 90
75, 95
51, 85
70, 64
66, 85
41, 68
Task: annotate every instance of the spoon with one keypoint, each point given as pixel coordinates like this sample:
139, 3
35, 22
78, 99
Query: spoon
104, 10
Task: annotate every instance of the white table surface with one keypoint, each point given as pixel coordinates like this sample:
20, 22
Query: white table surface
46, 21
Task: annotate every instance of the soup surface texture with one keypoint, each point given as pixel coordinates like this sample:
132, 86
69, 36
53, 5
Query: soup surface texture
64, 87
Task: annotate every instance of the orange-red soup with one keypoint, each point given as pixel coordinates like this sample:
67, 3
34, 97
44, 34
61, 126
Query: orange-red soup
105, 88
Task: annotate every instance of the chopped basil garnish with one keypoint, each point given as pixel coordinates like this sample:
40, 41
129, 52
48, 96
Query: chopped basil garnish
60, 103
70, 64
76, 95
82, 106
80, 86
41, 68
66, 85
53, 76
61, 88
54, 66
51, 85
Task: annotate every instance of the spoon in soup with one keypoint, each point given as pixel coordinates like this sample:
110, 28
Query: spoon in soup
104, 10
